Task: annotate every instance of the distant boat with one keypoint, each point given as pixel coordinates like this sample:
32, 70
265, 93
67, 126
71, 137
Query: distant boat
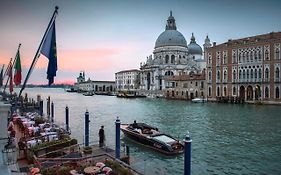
152, 138
126, 94
199, 100
89, 93
71, 90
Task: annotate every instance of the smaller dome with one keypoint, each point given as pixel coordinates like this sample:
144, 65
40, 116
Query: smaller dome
193, 47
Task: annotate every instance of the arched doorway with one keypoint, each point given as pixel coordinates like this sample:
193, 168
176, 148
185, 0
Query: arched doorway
249, 93
242, 92
257, 92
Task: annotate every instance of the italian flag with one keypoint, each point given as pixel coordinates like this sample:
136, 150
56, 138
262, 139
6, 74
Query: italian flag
17, 76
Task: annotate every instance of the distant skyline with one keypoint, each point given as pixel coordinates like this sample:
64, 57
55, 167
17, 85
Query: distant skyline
104, 37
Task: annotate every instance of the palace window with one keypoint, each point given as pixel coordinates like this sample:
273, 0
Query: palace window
256, 73
224, 75
252, 73
266, 92
244, 74
256, 56
234, 58
247, 73
277, 92
239, 58
234, 74
247, 56
240, 73
234, 90
243, 60
266, 54
218, 91
196, 94
210, 75
210, 91
259, 73
224, 91
224, 59
218, 75
277, 72
202, 84
266, 73
251, 56
277, 54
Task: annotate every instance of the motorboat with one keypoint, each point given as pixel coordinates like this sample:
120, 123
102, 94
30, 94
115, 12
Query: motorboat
199, 100
88, 93
150, 137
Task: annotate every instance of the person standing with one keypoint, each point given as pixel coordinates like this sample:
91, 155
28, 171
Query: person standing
101, 136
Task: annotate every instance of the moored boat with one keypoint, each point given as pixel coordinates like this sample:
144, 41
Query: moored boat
89, 93
152, 138
199, 100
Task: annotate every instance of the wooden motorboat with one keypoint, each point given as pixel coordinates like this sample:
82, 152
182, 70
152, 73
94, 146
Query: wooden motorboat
152, 138
88, 93
199, 100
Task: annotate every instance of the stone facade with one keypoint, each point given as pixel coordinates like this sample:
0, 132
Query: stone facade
186, 87
127, 80
247, 68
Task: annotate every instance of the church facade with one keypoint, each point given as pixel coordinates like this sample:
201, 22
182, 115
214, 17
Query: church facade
171, 57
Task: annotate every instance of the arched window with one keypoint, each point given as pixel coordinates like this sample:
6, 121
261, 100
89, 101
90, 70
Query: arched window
210, 60
259, 55
224, 91
266, 55
252, 73
266, 73
179, 56
196, 94
239, 58
234, 90
277, 73
218, 75
256, 56
277, 56
210, 75
259, 73
247, 73
244, 74
224, 59
277, 92
224, 75
173, 59
234, 58
256, 73
218, 91
251, 56
169, 73
243, 57
247, 55
210, 91
266, 93
240, 74
234, 74
167, 59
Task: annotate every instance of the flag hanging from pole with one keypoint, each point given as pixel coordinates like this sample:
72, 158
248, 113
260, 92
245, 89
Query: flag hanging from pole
10, 74
17, 76
50, 51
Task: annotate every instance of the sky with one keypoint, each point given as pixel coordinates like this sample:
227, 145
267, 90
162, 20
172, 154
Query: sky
106, 36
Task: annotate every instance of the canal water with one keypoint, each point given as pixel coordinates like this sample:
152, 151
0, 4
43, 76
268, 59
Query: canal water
226, 138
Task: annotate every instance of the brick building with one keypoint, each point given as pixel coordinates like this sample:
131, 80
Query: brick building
247, 68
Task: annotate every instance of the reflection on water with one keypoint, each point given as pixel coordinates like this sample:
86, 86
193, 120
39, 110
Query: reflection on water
227, 139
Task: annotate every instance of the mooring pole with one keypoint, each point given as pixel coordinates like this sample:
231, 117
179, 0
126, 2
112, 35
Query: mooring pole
67, 118
48, 107
117, 139
187, 154
41, 104
87, 128
52, 112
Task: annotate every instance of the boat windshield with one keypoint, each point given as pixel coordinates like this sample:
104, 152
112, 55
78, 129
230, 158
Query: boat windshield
164, 138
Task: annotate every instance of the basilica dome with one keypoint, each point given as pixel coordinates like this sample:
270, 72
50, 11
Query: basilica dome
193, 47
170, 38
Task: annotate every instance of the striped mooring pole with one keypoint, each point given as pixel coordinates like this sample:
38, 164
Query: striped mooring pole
67, 118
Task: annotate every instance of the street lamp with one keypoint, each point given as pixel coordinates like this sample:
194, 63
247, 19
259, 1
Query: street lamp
9, 153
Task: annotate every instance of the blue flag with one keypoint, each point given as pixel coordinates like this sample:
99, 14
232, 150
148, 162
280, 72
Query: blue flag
50, 51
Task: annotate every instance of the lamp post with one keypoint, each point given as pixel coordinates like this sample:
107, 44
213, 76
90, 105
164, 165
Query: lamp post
9, 153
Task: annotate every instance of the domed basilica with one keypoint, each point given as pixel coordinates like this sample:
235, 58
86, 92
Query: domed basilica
171, 56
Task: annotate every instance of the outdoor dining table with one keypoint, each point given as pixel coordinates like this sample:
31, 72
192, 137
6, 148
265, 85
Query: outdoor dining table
92, 170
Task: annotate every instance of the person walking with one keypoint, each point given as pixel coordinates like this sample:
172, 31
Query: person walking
101, 136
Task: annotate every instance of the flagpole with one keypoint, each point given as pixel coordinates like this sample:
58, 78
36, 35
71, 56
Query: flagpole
36, 56
2, 76
12, 66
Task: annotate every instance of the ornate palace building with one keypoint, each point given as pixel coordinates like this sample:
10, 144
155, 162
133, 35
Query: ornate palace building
171, 56
247, 68
127, 80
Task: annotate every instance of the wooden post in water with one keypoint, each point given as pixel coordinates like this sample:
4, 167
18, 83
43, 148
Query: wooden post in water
67, 118
187, 154
52, 112
117, 138
48, 107
41, 107
87, 128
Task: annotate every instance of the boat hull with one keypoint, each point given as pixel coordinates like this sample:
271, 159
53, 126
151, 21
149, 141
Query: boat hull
149, 142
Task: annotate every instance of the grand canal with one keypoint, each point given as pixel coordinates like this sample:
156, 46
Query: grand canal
227, 139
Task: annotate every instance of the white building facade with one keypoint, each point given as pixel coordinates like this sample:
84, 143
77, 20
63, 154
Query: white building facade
171, 56
127, 80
